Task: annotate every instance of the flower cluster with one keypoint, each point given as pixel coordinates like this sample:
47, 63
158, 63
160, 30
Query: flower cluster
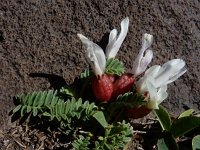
152, 85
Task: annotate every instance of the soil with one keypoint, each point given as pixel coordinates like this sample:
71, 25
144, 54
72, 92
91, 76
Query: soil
39, 43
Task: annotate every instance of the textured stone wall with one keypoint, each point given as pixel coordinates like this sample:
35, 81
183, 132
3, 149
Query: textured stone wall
39, 36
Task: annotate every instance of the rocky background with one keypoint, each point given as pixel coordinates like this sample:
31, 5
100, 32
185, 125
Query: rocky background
40, 36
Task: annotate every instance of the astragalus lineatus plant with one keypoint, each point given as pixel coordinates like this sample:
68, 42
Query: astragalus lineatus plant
94, 110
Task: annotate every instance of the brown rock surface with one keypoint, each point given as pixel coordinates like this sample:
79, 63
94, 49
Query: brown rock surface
40, 36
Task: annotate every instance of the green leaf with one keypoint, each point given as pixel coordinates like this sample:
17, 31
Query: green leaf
46, 114
35, 112
54, 101
37, 99
168, 142
17, 108
162, 145
87, 73
49, 97
163, 118
69, 91
30, 98
23, 110
183, 125
42, 98
99, 116
196, 143
186, 113
114, 66
128, 100
29, 108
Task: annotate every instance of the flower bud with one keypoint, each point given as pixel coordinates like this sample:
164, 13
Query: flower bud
123, 84
103, 87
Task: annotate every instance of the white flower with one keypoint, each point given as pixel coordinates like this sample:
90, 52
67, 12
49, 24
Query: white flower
154, 83
95, 55
143, 60
115, 41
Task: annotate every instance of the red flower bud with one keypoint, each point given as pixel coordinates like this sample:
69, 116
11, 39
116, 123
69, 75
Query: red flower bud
123, 84
103, 87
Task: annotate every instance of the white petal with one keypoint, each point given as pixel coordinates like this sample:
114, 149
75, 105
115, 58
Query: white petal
141, 85
112, 40
178, 74
113, 36
156, 95
162, 94
94, 55
143, 63
153, 96
147, 40
143, 59
144, 83
115, 43
170, 71
153, 71
151, 89
147, 58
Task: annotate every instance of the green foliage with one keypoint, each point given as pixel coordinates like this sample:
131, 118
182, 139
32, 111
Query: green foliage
196, 143
183, 125
99, 116
85, 74
64, 112
186, 113
167, 142
129, 100
84, 80
171, 130
35, 102
68, 92
48, 104
51, 105
114, 66
163, 118
81, 143
115, 137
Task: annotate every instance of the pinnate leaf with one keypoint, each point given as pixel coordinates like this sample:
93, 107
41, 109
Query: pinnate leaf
114, 66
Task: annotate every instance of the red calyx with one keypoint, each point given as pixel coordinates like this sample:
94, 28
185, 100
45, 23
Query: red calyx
137, 112
103, 87
123, 84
